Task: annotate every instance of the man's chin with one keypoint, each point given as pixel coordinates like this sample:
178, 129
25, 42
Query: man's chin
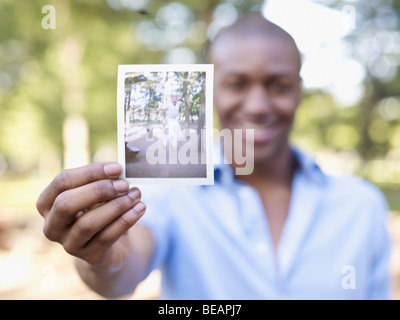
264, 153
261, 156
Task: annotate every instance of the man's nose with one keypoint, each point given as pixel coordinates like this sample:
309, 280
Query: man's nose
257, 101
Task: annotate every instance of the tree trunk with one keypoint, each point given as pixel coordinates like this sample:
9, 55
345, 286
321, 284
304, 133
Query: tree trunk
202, 112
185, 97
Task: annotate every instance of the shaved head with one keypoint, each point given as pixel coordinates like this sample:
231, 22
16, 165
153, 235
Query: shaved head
250, 25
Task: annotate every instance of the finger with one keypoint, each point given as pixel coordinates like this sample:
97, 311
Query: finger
94, 221
112, 232
73, 178
70, 202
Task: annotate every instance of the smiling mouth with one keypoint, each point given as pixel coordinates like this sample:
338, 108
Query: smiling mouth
263, 132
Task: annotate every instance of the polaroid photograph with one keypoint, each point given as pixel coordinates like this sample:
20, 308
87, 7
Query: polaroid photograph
165, 121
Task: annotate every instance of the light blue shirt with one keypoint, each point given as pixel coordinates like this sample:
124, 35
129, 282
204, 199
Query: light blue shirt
214, 242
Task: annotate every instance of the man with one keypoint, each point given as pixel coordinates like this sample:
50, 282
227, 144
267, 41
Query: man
287, 230
174, 128
171, 112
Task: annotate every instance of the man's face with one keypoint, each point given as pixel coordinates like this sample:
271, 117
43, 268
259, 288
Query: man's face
174, 99
257, 86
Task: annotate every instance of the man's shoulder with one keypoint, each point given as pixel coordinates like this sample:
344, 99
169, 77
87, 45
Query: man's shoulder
355, 188
341, 186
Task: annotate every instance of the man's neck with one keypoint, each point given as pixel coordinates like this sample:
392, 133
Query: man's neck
277, 169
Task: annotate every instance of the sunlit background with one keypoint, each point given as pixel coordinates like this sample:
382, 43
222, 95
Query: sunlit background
58, 103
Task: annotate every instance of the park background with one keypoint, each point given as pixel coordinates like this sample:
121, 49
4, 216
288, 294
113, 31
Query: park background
58, 103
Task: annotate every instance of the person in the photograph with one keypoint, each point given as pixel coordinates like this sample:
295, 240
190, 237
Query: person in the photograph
285, 231
172, 111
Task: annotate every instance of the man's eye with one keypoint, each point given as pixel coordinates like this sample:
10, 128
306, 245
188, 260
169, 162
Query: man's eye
279, 87
235, 85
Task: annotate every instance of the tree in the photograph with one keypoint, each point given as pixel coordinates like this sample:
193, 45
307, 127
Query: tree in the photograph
186, 100
151, 95
197, 88
200, 96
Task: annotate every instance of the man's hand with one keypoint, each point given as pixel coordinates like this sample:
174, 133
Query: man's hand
89, 211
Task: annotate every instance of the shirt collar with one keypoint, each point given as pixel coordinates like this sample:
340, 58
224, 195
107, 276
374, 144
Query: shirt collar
223, 172
308, 166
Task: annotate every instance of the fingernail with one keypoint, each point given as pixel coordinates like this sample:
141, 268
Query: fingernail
140, 207
134, 194
112, 169
121, 185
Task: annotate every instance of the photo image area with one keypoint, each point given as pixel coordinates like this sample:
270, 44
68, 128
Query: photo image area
164, 124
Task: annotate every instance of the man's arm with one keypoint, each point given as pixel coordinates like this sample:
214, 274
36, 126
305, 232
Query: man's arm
91, 212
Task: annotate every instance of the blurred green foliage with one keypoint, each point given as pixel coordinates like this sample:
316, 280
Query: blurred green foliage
46, 74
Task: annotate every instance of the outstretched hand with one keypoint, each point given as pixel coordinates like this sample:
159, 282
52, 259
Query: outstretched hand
89, 211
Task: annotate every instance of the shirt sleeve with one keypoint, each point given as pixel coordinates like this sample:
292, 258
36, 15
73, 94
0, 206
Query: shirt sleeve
380, 279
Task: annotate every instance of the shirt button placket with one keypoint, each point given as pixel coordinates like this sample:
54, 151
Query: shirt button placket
248, 207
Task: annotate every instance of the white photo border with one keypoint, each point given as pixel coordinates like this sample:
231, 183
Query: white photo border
209, 71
